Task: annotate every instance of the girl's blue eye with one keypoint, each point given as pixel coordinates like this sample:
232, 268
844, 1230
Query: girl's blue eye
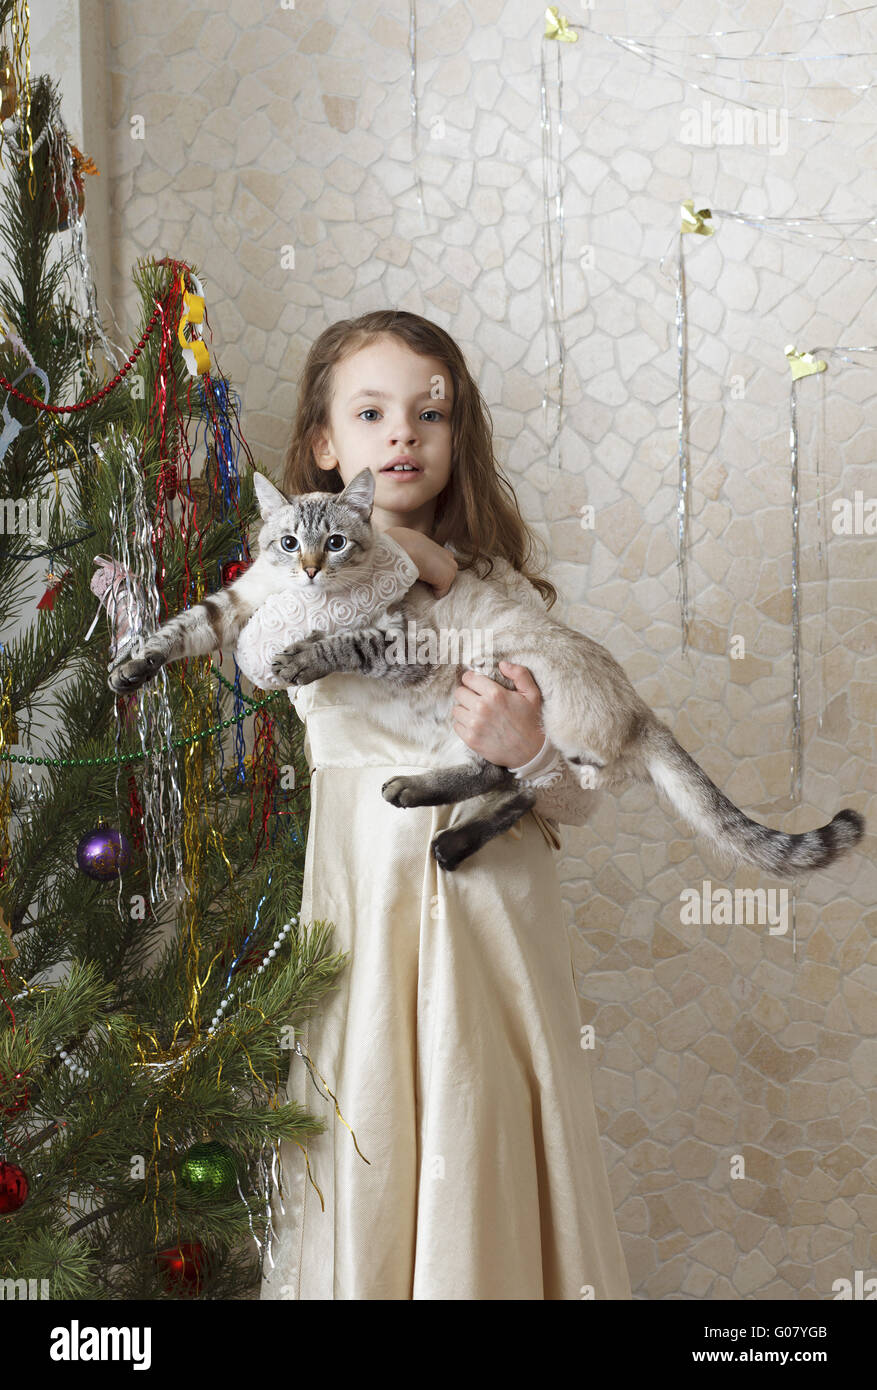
373, 410
289, 543
336, 537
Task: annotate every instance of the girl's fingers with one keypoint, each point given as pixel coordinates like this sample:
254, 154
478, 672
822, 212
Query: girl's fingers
521, 676
476, 681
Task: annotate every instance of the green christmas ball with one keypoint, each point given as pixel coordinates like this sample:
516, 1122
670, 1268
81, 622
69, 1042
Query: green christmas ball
209, 1170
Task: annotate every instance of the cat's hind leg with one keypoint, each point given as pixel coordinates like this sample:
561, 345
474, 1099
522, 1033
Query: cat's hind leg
443, 786
501, 809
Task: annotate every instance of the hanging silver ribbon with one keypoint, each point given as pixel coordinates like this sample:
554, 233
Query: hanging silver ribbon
797, 749
271, 1183
553, 261
797, 753
792, 227
415, 135
162, 799
678, 65
682, 490
60, 163
697, 224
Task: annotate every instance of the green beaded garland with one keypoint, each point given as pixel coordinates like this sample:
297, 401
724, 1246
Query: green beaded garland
251, 707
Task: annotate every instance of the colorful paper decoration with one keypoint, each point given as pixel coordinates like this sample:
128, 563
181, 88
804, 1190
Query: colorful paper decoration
195, 354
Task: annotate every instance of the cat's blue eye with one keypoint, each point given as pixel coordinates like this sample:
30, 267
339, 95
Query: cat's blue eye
289, 543
336, 541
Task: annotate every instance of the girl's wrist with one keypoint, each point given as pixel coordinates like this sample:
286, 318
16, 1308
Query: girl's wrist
544, 761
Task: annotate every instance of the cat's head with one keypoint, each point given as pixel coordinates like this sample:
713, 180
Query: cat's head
315, 535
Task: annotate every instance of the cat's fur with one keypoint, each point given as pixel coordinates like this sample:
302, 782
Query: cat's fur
590, 711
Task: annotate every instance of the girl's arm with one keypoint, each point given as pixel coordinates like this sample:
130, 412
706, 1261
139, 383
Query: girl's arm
505, 727
436, 566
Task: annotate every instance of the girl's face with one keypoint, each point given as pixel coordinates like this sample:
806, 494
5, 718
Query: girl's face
390, 404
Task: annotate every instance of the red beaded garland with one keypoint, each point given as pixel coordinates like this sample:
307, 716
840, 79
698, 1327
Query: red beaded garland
92, 400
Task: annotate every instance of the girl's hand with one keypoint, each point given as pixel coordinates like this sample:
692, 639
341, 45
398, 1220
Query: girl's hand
503, 726
435, 565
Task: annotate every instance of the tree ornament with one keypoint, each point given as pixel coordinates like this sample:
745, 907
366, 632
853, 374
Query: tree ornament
199, 492
183, 1267
13, 1188
103, 853
82, 164
8, 86
47, 602
195, 353
233, 569
121, 594
209, 1170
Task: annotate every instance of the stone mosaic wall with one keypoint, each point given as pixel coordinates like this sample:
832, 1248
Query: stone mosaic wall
264, 128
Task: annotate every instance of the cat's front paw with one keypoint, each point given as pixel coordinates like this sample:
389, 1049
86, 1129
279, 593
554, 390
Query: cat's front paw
399, 791
300, 664
133, 672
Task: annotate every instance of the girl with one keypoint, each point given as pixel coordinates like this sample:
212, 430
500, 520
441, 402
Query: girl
452, 1040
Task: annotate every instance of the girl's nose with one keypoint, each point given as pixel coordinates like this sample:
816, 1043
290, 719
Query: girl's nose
405, 434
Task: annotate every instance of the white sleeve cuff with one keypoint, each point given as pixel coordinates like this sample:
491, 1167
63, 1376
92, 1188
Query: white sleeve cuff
546, 759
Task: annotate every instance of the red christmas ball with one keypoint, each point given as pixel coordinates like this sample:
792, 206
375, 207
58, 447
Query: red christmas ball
183, 1267
233, 569
21, 1095
13, 1188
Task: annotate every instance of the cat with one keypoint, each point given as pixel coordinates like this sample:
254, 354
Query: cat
590, 711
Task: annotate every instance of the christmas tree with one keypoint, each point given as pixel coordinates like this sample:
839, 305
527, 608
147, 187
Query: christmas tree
152, 967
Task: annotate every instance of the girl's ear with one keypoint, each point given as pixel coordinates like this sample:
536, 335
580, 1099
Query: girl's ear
270, 498
360, 493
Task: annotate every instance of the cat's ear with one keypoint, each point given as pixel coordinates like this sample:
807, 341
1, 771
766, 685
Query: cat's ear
270, 497
360, 493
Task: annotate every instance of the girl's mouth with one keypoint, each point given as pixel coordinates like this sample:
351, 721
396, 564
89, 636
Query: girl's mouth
405, 472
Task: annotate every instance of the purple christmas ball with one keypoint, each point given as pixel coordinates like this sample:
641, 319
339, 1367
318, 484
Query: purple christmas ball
103, 853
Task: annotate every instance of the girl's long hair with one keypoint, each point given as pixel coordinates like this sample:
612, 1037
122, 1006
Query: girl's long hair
477, 510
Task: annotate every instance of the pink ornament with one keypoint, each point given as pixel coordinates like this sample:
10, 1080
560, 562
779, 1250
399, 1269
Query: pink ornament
115, 586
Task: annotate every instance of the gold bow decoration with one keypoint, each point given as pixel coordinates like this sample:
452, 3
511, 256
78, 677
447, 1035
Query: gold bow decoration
803, 363
557, 27
195, 354
694, 221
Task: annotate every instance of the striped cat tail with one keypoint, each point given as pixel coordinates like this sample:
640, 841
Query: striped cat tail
700, 803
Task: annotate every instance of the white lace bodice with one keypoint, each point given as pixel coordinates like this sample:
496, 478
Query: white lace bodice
284, 618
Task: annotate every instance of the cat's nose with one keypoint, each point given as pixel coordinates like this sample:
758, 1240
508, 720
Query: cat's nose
311, 570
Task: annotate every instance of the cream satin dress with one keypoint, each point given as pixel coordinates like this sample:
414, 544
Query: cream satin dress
452, 1043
